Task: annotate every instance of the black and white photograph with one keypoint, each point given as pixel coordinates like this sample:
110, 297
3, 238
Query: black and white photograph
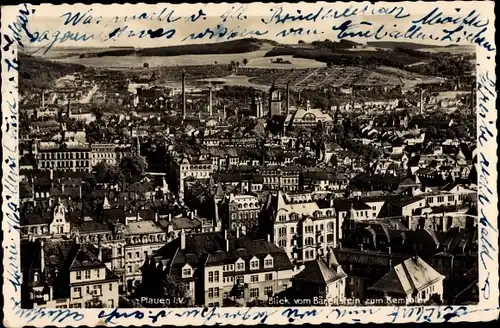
258, 171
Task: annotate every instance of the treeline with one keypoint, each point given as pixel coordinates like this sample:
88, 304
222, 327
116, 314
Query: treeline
437, 63
41, 73
228, 47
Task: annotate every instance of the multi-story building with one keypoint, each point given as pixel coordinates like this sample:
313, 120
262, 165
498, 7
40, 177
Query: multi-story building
67, 156
221, 268
111, 154
302, 229
239, 211
182, 168
64, 274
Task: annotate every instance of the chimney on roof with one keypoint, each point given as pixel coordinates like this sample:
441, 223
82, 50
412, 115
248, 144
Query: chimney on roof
169, 217
51, 174
156, 216
42, 257
62, 187
268, 237
183, 239
50, 201
225, 234
243, 230
227, 245
361, 247
99, 248
184, 95
237, 232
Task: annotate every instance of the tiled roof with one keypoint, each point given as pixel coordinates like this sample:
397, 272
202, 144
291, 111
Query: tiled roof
412, 275
319, 272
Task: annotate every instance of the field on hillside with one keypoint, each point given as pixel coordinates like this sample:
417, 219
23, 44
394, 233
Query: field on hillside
158, 61
451, 50
297, 63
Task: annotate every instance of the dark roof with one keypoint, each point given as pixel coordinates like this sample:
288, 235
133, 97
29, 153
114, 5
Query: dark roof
210, 249
319, 272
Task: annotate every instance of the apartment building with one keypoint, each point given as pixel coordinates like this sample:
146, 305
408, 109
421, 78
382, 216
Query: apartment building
221, 268
64, 274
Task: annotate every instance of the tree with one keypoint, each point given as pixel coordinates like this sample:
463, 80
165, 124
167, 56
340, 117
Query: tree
146, 65
133, 165
245, 61
301, 42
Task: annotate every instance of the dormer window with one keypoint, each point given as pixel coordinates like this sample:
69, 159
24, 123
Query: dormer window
240, 265
186, 272
78, 275
254, 264
268, 262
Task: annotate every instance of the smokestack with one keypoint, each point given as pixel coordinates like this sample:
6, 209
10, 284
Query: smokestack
210, 102
183, 95
288, 98
422, 102
42, 257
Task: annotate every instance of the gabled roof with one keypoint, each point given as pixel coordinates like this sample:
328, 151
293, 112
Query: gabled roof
410, 276
319, 272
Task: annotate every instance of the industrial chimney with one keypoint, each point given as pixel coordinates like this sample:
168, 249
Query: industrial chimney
183, 95
210, 102
288, 98
422, 101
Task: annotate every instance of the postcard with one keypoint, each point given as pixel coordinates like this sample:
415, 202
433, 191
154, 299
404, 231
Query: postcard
242, 164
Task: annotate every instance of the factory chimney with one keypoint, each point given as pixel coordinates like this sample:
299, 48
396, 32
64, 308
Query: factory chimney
422, 101
183, 95
288, 98
210, 102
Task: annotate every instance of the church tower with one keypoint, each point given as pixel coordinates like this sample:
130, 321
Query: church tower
274, 102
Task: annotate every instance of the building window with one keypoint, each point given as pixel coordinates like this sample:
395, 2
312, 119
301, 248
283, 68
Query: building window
78, 292
186, 272
309, 241
78, 275
87, 274
129, 269
97, 273
240, 266
254, 292
269, 276
110, 287
226, 294
216, 276
440, 199
88, 305
137, 255
211, 276
129, 255
282, 243
254, 278
285, 287
268, 290
254, 264
268, 263
210, 293
216, 292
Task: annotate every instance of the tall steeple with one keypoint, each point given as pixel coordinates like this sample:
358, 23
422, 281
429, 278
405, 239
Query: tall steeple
184, 95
